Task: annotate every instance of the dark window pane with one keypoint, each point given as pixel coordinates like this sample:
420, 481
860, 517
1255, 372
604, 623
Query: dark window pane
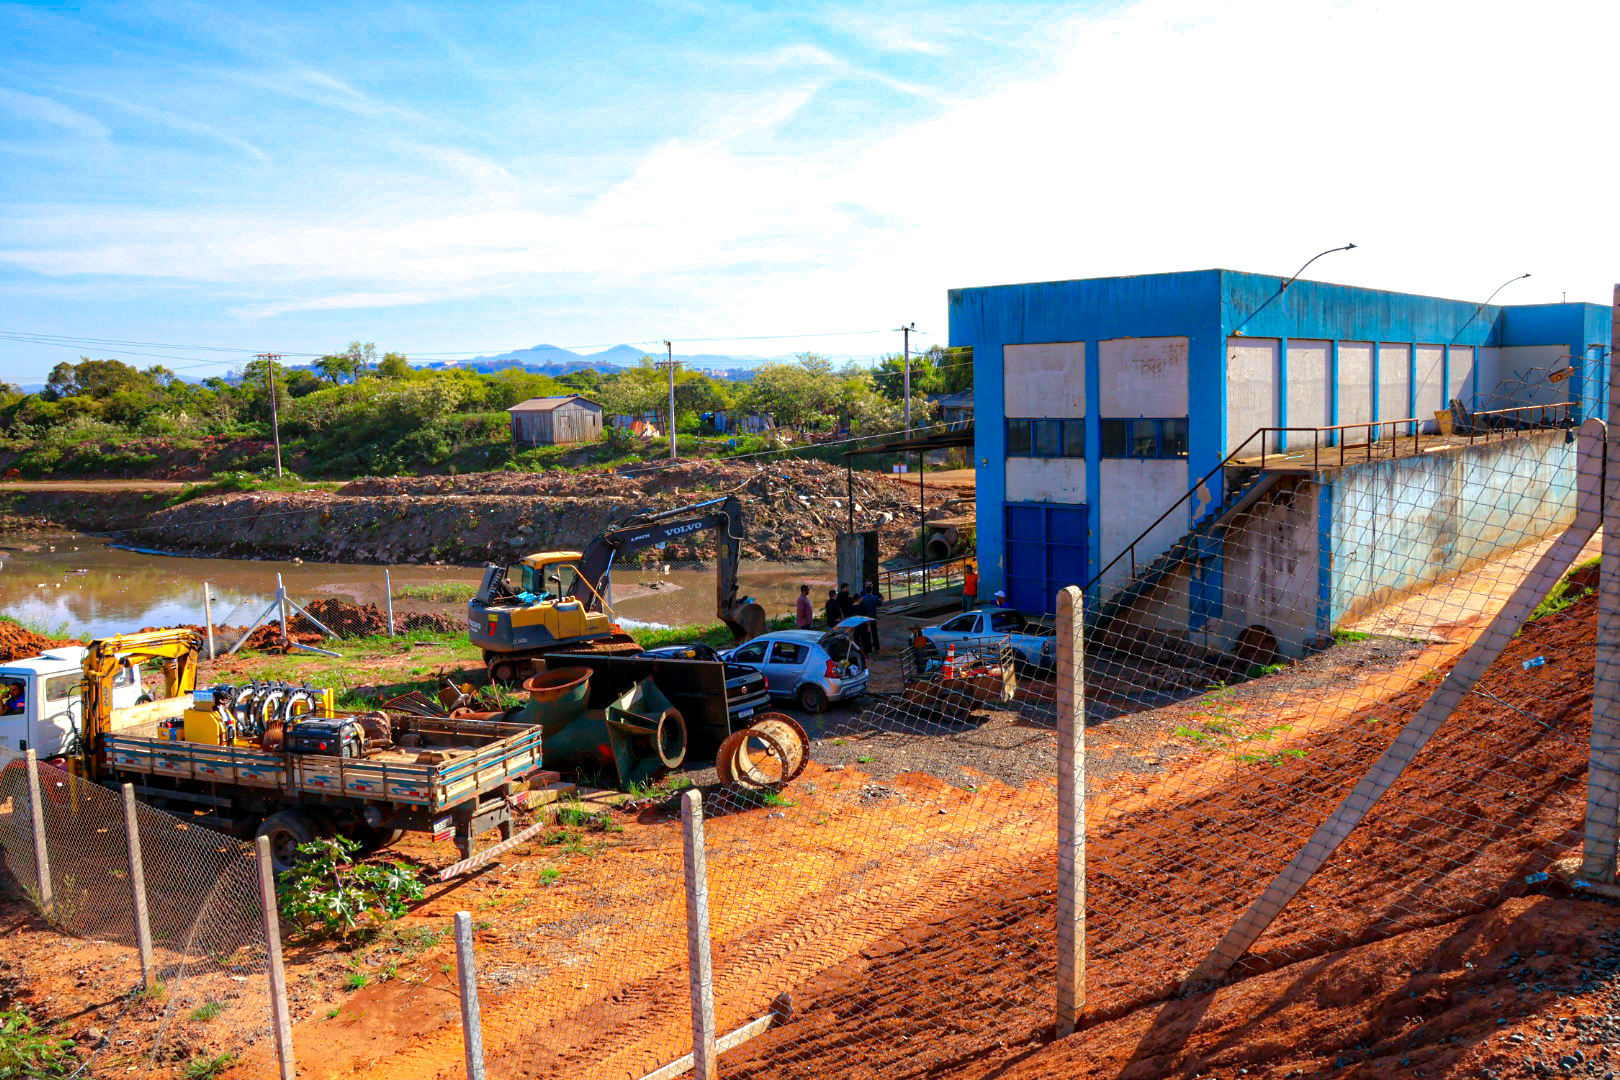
1018, 438
1074, 438
1175, 437
1114, 438
1044, 436
1144, 438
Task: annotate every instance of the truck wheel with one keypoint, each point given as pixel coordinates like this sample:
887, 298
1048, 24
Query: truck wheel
812, 698
504, 672
374, 840
286, 830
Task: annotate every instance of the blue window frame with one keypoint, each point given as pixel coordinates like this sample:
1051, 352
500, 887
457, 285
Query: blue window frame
1146, 438
1044, 437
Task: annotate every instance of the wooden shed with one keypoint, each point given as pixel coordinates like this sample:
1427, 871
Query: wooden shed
550, 421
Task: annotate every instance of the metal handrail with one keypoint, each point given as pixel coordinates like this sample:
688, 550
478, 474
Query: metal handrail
1261, 433
905, 576
1395, 441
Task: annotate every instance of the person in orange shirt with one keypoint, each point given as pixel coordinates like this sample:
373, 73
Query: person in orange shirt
970, 587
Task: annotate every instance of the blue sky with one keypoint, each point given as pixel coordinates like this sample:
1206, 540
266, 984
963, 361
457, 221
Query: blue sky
471, 178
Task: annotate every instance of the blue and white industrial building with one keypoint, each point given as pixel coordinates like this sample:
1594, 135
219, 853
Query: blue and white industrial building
1101, 402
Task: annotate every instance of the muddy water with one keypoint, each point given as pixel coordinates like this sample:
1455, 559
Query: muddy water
82, 586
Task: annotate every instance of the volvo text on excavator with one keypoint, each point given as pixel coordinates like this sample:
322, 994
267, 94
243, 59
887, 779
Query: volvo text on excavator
554, 601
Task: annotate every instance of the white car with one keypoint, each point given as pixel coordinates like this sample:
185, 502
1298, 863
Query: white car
812, 668
1035, 642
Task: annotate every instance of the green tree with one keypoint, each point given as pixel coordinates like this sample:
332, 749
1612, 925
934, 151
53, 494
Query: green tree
394, 366
94, 379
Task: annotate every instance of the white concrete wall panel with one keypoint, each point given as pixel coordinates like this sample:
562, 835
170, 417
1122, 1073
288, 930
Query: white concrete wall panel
1490, 369
1251, 389
1461, 387
1051, 480
1522, 377
1310, 388
1142, 377
1355, 386
1394, 386
1045, 380
1270, 568
1431, 382
1134, 493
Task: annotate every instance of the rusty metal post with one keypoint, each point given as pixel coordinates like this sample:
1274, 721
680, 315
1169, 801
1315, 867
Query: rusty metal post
705, 1052
388, 590
280, 1017
42, 855
1071, 779
137, 887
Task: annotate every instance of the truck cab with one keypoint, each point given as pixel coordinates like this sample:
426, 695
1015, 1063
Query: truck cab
41, 700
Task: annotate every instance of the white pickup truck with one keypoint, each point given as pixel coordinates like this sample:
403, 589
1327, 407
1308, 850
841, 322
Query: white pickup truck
1035, 641
41, 700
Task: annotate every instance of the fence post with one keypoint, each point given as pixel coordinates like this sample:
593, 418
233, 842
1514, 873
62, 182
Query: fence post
42, 856
281, 602
705, 1051
1602, 843
281, 1021
1071, 778
137, 886
208, 619
388, 591
472, 1031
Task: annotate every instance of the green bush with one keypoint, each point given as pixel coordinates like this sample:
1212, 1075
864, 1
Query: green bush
329, 895
27, 1053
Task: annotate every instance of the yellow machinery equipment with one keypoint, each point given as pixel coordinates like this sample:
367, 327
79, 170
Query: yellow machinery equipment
177, 649
553, 601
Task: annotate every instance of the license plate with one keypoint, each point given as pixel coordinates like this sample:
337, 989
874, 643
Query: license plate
743, 714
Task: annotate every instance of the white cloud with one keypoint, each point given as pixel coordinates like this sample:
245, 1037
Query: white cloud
49, 111
1170, 134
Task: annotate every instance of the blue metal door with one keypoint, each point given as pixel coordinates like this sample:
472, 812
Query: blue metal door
1046, 550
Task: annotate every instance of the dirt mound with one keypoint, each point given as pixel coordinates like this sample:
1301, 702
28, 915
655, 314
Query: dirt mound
343, 619
793, 511
17, 642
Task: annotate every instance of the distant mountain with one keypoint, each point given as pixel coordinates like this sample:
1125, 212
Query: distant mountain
624, 355
555, 360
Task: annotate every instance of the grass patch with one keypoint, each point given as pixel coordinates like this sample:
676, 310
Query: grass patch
550, 875
206, 1067
356, 980
1569, 591
446, 592
207, 1011
1344, 637
712, 634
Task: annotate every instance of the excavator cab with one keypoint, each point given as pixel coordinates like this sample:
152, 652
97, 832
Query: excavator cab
534, 604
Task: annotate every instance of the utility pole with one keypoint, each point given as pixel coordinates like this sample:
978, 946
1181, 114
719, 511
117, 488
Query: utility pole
906, 330
270, 360
669, 362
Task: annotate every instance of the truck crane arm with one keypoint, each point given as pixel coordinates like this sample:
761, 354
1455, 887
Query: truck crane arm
177, 649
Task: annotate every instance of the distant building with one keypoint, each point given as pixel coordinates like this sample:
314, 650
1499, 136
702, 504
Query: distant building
554, 421
647, 423
955, 410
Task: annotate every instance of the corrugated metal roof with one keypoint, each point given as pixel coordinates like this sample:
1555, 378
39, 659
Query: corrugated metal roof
546, 404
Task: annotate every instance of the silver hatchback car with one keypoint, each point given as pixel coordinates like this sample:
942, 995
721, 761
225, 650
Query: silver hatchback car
814, 668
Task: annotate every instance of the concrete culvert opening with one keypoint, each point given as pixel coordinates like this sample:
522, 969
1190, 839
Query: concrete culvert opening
937, 547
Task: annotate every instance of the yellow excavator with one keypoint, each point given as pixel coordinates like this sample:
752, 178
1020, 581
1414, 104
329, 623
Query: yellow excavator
553, 601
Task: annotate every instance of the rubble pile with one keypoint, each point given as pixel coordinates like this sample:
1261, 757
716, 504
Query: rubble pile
18, 642
794, 510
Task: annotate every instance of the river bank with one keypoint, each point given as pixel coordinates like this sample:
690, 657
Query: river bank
793, 511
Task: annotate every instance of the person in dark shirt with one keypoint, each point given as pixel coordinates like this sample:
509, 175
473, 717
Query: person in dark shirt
869, 602
846, 602
834, 609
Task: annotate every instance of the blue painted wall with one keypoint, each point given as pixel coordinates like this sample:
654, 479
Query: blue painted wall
1206, 307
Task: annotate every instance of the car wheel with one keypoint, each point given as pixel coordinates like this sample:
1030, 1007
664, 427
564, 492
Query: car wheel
812, 698
286, 830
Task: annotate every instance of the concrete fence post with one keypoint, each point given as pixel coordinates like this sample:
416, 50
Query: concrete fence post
42, 855
705, 1048
472, 1031
280, 1017
388, 593
1601, 849
1071, 778
137, 887
281, 603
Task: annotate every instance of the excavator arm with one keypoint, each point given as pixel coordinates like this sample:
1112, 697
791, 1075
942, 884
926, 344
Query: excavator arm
641, 531
177, 648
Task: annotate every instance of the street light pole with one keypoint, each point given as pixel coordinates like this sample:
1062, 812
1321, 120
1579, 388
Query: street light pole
669, 362
906, 330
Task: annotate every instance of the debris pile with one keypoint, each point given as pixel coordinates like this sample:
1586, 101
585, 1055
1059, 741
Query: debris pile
794, 509
17, 642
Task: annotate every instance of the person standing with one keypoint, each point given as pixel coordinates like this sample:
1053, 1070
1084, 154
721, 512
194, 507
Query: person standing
834, 610
970, 587
804, 612
846, 601
869, 604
